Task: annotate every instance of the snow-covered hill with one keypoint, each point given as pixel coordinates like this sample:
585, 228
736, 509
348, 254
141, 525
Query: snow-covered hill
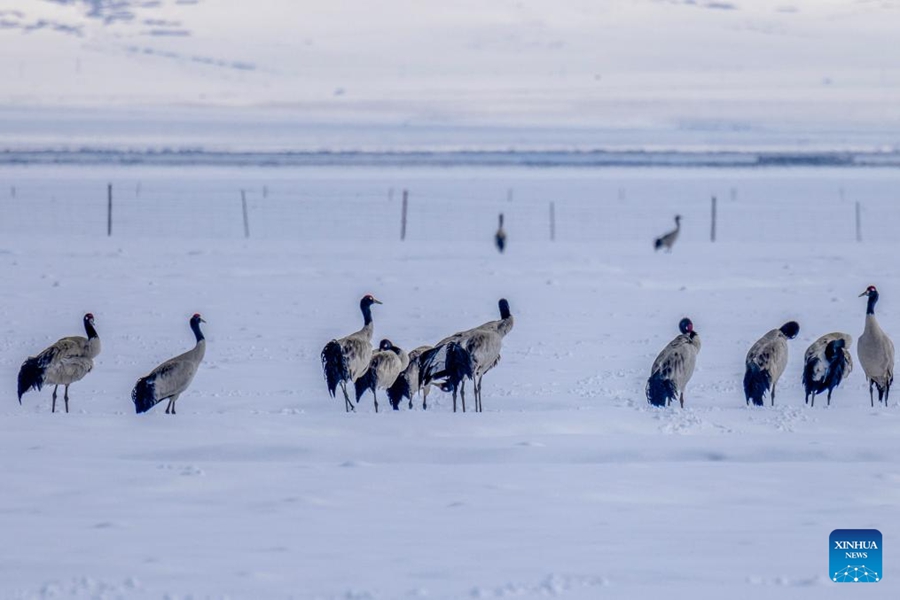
684, 71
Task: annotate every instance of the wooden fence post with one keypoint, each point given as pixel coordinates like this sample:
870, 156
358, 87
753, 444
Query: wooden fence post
246, 216
552, 221
403, 215
109, 210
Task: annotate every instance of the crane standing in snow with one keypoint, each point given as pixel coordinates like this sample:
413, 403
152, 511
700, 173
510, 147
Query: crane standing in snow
766, 362
668, 240
170, 379
385, 366
346, 359
63, 363
500, 236
826, 363
876, 351
447, 361
674, 367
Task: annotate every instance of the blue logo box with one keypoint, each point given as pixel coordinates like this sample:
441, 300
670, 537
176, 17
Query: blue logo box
854, 556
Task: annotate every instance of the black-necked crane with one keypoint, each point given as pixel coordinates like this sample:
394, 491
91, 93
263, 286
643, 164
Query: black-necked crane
346, 359
668, 240
674, 367
826, 363
500, 236
407, 384
484, 347
482, 344
876, 351
170, 379
63, 363
766, 362
385, 366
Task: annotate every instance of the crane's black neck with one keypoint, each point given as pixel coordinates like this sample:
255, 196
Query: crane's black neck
89, 329
366, 309
870, 308
195, 327
504, 309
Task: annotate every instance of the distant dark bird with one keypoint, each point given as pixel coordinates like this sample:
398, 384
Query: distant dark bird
674, 367
876, 352
826, 363
766, 361
500, 236
346, 359
669, 239
407, 384
65, 362
384, 367
170, 379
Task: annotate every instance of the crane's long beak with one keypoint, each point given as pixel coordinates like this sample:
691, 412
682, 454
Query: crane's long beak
202, 320
865, 293
376, 301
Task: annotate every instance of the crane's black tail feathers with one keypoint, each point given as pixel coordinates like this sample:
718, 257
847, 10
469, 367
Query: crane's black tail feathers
446, 366
144, 395
756, 383
660, 390
335, 366
399, 390
839, 364
457, 367
366, 382
810, 385
31, 376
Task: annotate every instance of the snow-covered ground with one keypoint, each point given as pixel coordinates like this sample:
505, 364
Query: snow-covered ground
567, 486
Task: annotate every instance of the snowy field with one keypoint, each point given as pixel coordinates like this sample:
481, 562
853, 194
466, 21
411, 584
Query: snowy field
567, 486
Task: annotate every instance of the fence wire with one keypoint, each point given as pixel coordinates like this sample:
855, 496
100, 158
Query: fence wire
809, 206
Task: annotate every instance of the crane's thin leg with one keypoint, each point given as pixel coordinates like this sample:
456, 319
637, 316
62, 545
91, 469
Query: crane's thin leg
173, 400
374, 395
454, 398
462, 394
812, 401
480, 384
66, 397
348, 406
681, 399
425, 397
829, 397
53, 408
871, 397
169, 407
773, 394
887, 392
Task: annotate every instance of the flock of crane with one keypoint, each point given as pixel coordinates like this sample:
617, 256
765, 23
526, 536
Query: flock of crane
470, 354
447, 364
349, 360
826, 362
71, 358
